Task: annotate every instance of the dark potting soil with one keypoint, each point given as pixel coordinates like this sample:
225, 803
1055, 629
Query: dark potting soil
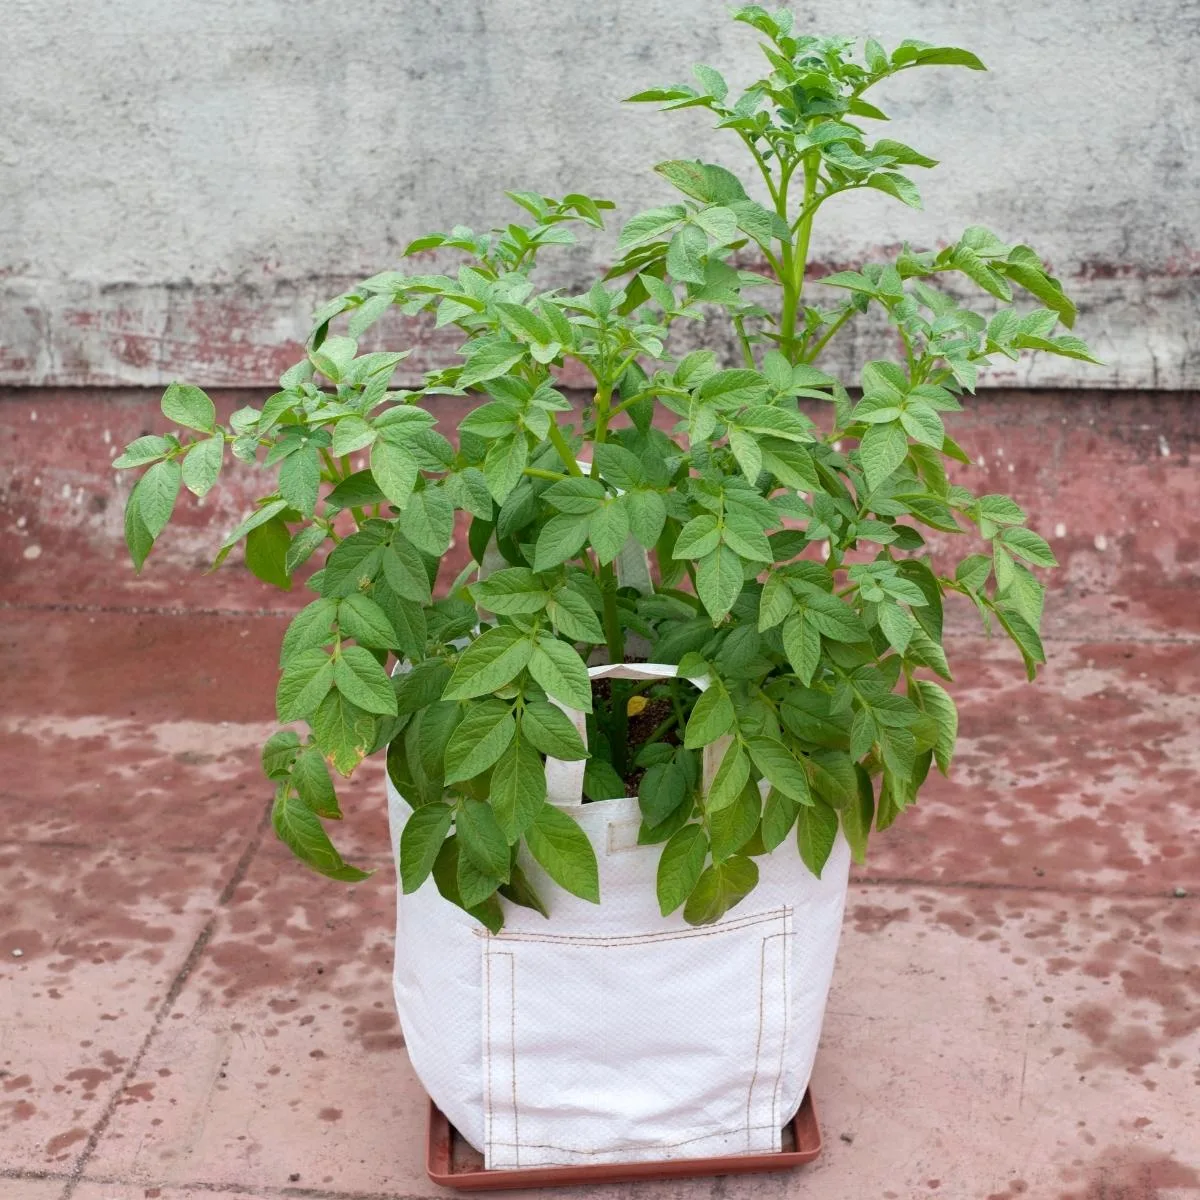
641, 727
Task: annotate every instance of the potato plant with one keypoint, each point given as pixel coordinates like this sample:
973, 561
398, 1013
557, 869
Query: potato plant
784, 516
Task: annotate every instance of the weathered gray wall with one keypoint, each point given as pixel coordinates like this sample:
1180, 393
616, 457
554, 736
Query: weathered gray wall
181, 181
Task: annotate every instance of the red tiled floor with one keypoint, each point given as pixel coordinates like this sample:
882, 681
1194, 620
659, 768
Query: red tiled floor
1016, 1008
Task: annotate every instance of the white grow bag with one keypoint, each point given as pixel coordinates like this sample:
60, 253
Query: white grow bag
610, 1033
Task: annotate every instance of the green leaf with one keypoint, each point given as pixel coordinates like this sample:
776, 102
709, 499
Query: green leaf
143, 450
944, 56
574, 617
404, 570
493, 659
479, 740
561, 538
361, 679
310, 628
649, 226
663, 788
394, 470
747, 452
490, 359
306, 679
518, 791
520, 891
1030, 546
899, 186
856, 820
561, 671
350, 434
279, 753
732, 776
719, 580
524, 323
719, 888
190, 407
1001, 510
897, 625
780, 767
420, 686
686, 254
734, 388
608, 528
360, 618
680, 866
742, 534
802, 645
310, 778
720, 223
480, 835
712, 716
475, 886
202, 465
816, 833
564, 853
510, 590
156, 493
429, 521
343, 731
1026, 639
300, 480
779, 815
420, 842
137, 537
647, 514
775, 602
352, 564
882, 450
267, 548
936, 702
299, 828
550, 730
700, 536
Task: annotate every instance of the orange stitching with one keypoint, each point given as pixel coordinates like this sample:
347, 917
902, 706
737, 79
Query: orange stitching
762, 987
785, 1039
604, 942
487, 1022
512, 1043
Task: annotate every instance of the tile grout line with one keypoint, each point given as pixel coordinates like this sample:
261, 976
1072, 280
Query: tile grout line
1046, 889
216, 1189
173, 993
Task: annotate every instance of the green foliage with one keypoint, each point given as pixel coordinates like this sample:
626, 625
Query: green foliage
787, 521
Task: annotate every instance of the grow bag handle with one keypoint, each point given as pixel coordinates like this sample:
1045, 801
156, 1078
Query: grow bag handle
564, 780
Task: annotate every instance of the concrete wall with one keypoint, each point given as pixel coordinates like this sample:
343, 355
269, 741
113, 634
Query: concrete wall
182, 181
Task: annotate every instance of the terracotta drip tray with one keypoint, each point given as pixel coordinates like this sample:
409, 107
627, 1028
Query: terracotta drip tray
454, 1164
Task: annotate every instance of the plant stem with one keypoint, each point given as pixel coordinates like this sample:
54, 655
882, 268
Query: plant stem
564, 451
796, 260
603, 413
828, 335
538, 473
648, 394
747, 354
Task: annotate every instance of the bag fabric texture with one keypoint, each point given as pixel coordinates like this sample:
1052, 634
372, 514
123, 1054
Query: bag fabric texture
610, 1033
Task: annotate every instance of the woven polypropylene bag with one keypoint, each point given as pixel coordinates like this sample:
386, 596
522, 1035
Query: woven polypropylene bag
610, 1033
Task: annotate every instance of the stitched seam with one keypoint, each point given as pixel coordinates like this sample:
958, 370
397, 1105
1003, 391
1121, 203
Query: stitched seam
784, 1038
762, 987
487, 1014
602, 942
512, 1046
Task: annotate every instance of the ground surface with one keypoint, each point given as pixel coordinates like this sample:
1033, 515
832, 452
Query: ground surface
187, 1013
